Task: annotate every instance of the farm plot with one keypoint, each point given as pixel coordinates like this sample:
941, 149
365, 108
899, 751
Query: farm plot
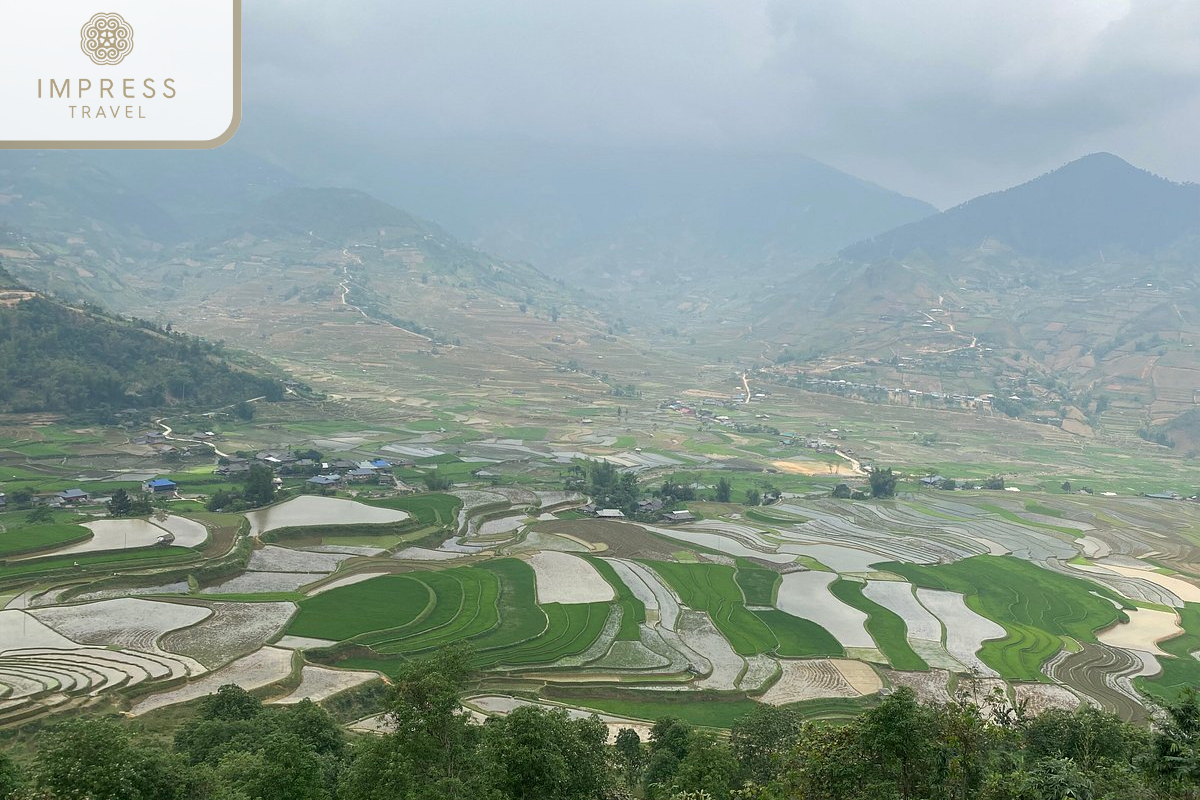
233, 630
930, 687
311, 510
570, 630
345, 580
722, 543
649, 589
263, 583
966, 631
1183, 669
273, 558
1185, 590
187, 532
885, 626
699, 635
1102, 673
260, 668
711, 588
464, 607
808, 680
19, 630
1039, 697
632, 610
1035, 606
566, 578
126, 622
127, 534
321, 683
389, 601
1144, 630
428, 509
899, 598
40, 539
807, 595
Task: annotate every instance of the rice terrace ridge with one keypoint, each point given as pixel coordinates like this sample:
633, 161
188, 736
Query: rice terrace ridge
667, 463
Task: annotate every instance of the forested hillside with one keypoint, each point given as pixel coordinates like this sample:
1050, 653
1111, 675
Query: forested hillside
63, 359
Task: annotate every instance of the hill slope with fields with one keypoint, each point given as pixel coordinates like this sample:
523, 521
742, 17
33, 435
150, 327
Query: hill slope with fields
1074, 286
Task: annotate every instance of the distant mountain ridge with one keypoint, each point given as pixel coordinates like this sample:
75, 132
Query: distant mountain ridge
1080, 210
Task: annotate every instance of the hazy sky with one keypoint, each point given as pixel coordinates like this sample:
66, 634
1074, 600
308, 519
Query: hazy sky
941, 99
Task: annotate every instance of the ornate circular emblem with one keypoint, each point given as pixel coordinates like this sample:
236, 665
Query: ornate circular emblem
107, 39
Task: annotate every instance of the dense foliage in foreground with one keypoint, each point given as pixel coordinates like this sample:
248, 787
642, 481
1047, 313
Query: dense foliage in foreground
237, 749
55, 358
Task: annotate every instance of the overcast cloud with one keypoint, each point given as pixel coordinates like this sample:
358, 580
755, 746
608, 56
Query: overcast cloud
941, 99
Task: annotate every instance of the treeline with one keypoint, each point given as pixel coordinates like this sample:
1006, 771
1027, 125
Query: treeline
969, 749
54, 358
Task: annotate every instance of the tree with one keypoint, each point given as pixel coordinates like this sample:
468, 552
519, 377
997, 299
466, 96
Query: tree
883, 482
40, 515
670, 739
841, 491
1066, 486
753, 497
244, 411
84, 759
11, 780
630, 755
541, 753
436, 481
1177, 743
709, 766
260, 486
724, 490
761, 738
120, 504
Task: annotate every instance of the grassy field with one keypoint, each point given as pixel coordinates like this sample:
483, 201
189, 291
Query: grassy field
886, 627
1035, 606
386, 602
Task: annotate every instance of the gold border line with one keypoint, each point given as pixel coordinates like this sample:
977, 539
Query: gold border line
208, 144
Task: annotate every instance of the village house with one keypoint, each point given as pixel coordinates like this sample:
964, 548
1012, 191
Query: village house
678, 516
159, 486
73, 497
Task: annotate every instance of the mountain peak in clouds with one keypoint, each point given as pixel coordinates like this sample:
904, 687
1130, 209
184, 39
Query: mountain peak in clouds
1094, 204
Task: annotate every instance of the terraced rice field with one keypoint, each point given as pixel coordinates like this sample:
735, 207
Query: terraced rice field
807, 595
311, 510
1034, 606
260, 668
567, 578
1182, 669
886, 627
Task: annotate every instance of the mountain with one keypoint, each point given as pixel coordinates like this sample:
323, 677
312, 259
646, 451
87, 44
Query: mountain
631, 218
1096, 204
59, 358
1076, 286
